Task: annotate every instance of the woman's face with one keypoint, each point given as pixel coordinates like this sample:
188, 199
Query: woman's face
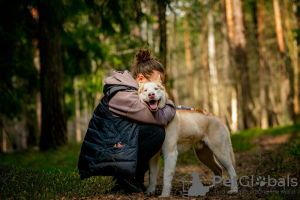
153, 77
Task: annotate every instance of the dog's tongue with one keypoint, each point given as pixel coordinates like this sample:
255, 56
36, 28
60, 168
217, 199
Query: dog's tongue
153, 105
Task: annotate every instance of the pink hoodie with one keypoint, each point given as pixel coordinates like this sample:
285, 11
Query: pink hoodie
127, 103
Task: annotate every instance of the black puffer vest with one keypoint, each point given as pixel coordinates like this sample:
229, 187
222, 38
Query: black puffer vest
98, 154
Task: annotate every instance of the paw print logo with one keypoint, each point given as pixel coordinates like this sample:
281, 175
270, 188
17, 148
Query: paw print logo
260, 181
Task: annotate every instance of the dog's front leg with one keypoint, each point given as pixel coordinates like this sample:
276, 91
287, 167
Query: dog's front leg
153, 168
170, 158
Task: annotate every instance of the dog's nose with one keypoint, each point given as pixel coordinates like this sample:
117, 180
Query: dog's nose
151, 95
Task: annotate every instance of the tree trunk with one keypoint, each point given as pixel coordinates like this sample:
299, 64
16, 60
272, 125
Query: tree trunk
162, 4
239, 50
285, 87
234, 105
204, 61
150, 35
137, 11
37, 65
296, 64
278, 24
263, 86
173, 68
188, 61
225, 104
3, 139
230, 23
54, 132
77, 112
234, 111
212, 62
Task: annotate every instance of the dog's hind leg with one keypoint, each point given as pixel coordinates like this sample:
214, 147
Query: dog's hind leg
154, 168
221, 149
207, 157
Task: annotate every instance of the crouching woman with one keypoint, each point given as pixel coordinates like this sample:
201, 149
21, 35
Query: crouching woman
123, 134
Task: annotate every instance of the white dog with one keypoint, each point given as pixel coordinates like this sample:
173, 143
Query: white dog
207, 134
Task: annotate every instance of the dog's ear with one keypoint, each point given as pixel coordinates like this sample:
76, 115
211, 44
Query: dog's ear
167, 96
158, 79
141, 87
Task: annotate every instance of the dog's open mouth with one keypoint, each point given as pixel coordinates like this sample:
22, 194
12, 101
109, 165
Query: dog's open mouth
153, 104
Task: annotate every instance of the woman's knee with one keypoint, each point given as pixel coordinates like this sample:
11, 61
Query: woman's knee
152, 131
159, 132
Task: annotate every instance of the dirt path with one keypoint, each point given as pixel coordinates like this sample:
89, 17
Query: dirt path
267, 159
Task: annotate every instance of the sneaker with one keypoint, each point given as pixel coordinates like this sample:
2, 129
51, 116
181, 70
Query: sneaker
141, 181
118, 185
131, 186
143, 187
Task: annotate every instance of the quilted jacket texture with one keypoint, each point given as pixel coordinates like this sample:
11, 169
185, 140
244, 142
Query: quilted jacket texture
98, 154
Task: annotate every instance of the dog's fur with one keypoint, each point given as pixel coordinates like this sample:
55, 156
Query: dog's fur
189, 128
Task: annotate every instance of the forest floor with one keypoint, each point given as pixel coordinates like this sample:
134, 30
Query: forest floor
269, 158
273, 154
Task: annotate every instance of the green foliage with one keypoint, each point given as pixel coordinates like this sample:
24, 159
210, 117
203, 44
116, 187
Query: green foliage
18, 77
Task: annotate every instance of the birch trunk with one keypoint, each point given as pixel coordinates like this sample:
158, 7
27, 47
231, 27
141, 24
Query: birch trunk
212, 63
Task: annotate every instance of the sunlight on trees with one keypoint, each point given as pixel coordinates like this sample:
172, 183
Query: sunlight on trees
237, 59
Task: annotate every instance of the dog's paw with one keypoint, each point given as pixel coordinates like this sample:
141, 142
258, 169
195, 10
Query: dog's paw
150, 191
163, 195
232, 191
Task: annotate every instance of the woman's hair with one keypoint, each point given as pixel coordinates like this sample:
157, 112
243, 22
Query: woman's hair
145, 64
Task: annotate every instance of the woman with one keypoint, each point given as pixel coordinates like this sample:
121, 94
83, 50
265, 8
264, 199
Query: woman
123, 133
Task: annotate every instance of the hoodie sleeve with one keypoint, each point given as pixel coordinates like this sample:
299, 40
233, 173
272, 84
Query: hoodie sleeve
127, 104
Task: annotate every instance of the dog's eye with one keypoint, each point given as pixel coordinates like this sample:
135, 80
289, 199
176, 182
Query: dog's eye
155, 88
145, 90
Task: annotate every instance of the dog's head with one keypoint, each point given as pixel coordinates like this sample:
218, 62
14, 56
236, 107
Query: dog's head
153, 94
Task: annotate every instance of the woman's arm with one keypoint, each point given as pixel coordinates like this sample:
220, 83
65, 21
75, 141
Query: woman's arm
127, 104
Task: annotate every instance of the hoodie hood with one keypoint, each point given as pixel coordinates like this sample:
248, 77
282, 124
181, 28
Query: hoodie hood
122, 78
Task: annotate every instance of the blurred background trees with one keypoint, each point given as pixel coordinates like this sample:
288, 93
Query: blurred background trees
235, 58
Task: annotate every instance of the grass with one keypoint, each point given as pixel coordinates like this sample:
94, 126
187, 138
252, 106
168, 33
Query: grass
64, 159
47, 175
18, 183
242, 141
